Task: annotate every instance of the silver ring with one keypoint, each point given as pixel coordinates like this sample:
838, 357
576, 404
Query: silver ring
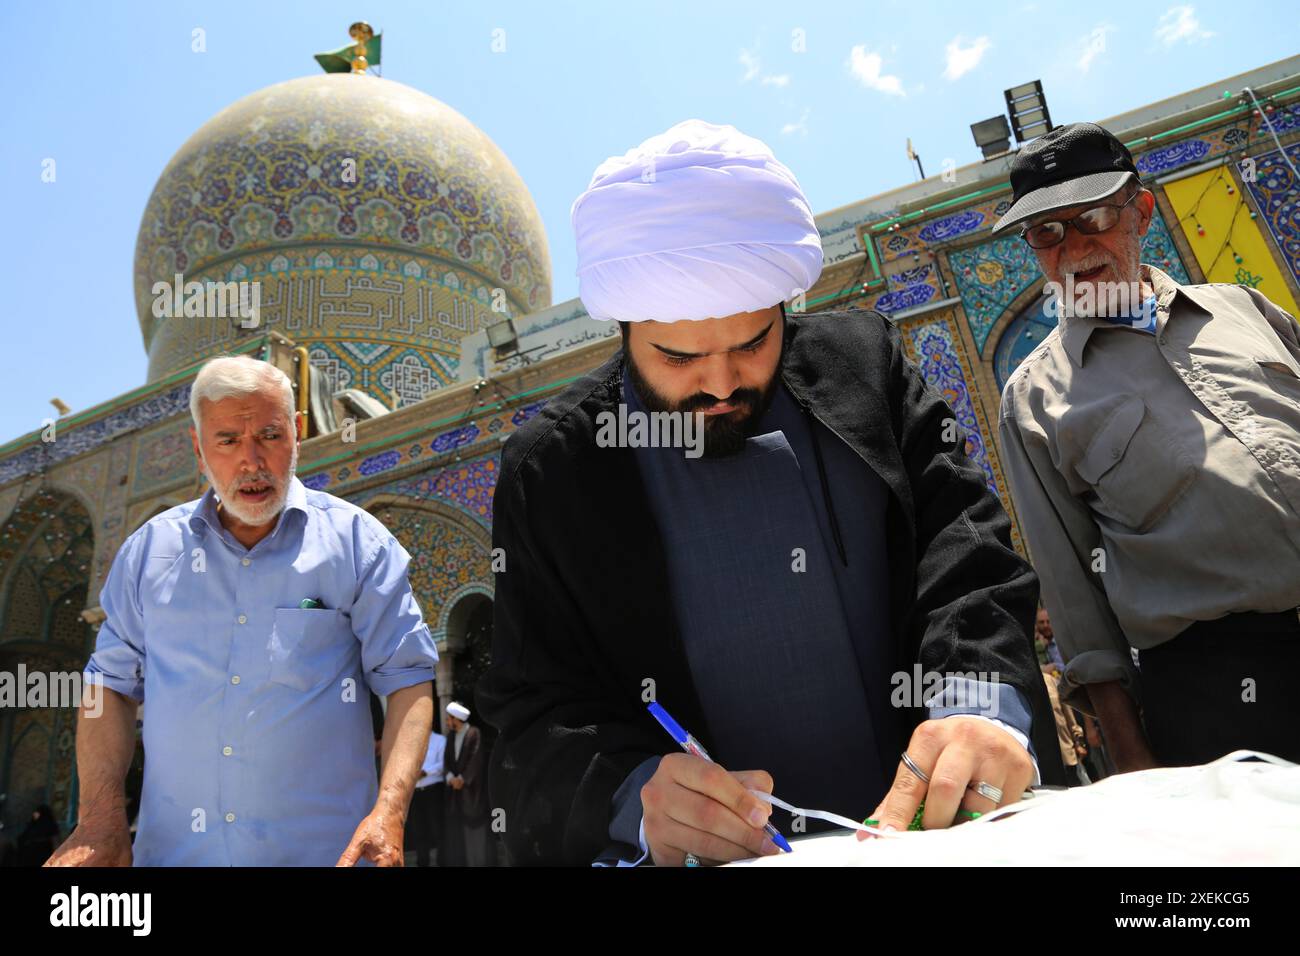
692, 859
910, 764
987, 791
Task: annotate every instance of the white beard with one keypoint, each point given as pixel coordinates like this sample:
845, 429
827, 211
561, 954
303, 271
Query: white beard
1097, 298
267, 511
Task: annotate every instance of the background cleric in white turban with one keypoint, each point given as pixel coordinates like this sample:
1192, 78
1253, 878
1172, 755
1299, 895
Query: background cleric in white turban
832, 537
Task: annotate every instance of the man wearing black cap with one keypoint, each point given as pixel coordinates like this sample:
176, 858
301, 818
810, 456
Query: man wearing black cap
1152, 442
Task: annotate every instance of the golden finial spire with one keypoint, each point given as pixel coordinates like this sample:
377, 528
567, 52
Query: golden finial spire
358, 56
362, 34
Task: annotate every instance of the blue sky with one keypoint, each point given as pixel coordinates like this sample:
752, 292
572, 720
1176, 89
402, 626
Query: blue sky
111, 91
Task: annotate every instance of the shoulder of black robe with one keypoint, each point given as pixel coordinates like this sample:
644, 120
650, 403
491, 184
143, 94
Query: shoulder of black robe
970, 598
582, 619
583, 634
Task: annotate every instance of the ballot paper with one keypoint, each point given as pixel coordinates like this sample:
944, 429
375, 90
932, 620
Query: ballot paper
1235, 811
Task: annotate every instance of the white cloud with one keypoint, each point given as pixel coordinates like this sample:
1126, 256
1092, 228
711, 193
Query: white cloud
800, 127
1094, 44
1180, 23
867, 66
964, 57
754, 69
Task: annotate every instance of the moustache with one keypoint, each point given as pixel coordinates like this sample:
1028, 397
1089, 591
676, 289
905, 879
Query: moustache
261, 478
1087, 264
740, 397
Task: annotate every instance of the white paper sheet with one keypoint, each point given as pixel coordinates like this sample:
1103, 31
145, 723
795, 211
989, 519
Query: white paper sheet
1229, 812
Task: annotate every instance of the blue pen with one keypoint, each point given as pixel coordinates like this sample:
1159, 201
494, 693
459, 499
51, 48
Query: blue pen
692, 746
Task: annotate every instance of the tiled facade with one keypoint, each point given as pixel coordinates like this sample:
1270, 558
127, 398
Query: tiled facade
399, 304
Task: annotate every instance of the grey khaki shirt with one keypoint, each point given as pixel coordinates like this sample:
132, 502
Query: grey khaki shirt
1157, 477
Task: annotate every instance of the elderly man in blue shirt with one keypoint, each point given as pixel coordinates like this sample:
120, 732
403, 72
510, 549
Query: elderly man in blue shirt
246, 621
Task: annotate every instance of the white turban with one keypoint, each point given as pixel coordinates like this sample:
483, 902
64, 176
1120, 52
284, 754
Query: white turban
459, 711
698, 222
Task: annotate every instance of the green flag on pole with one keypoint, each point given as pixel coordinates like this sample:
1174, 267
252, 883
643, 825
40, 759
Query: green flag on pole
340, 60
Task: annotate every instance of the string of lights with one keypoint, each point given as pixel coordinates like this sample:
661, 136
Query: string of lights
1224, 179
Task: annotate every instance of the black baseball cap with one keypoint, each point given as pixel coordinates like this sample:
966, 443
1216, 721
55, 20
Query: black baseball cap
1072, 165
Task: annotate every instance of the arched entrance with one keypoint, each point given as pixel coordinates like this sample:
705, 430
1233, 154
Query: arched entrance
469, 649
46, 550
1021, 336
469, 644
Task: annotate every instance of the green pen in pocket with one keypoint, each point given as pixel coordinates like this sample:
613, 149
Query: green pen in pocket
308, 604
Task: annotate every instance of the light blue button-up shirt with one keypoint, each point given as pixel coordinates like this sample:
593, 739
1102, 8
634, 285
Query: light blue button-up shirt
259, 746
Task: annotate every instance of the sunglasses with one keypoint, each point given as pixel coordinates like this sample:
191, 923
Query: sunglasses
1044, 235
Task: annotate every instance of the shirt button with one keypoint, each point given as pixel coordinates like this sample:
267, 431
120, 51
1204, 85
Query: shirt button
230, 818
242, 619
246, 562
234, 679
227, 751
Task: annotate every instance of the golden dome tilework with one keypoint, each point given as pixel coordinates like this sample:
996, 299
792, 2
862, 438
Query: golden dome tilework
380, 273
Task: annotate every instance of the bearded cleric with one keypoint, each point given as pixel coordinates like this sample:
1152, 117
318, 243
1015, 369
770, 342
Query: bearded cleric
768, 593
250, 623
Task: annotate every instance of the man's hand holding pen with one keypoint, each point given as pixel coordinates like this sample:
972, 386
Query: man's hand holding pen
692, 805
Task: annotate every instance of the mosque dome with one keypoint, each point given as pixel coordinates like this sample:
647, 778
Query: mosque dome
379, 225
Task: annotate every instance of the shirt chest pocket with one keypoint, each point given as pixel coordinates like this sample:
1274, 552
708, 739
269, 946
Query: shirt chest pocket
1134, 466
1278, 375
310, 647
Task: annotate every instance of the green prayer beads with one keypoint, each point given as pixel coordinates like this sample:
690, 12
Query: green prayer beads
920, 812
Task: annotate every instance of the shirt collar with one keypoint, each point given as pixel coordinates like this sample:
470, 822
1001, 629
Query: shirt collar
1076, 330
206, 512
